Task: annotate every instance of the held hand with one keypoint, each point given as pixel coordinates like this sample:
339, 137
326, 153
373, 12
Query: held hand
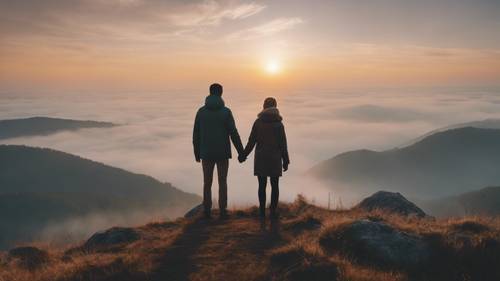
197, 159
241, 158
285, 167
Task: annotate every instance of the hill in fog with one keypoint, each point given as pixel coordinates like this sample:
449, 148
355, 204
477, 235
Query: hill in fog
43, 187
482, 124
442, 164
36, 126
481, 202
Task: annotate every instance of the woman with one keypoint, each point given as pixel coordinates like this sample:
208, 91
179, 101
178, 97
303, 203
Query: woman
271, 153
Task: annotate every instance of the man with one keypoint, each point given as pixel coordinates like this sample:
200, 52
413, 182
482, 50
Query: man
213, 126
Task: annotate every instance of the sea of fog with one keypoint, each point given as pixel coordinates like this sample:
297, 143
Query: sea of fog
156, 130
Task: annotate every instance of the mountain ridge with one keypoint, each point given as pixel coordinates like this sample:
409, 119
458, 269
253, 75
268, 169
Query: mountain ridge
490, 123
43, 126
444, 163
482, 202
34, 179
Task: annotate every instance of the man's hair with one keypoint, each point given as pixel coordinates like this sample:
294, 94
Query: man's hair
270, 102
216, 89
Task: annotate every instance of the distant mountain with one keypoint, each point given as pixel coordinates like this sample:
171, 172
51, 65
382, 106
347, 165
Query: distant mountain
42, 187
442, 164
485, 201
482, 124
36, 126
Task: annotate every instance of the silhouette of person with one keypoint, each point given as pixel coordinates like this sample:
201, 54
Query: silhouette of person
213, 127
271, 153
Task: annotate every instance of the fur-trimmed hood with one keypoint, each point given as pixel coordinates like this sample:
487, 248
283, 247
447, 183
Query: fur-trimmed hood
270, 114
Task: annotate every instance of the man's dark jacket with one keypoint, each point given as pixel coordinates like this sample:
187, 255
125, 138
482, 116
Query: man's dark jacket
213, 126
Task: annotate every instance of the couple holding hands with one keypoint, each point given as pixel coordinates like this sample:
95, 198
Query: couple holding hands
215, 129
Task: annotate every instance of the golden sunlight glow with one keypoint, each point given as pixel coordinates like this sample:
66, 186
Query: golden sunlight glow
273, 67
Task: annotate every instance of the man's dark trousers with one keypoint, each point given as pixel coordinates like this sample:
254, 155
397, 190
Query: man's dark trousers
208, 174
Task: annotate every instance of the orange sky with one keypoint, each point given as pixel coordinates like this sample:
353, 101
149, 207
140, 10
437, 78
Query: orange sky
156, 45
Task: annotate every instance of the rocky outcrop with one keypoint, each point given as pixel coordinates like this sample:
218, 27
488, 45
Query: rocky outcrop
194, 212
111, 237
376, 243
392, 202
28, 257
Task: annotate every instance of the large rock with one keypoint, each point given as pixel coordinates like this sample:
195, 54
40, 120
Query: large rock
392, 202
29, 257
376, 244
111, 237
194, 212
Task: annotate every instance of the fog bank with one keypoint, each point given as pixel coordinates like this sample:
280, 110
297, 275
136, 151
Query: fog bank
155, 136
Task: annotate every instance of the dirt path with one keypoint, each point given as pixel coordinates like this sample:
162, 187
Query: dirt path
215, 249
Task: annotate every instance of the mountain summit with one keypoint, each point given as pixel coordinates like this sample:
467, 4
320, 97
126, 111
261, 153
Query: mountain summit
306, 243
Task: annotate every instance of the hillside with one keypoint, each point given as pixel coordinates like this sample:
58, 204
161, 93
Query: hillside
485, 201
443, 164
482, 124
42, 187
36, 126
306, 243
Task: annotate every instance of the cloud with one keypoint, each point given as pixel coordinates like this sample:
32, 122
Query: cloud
98, 21
265, 29
156, 139
212, 13
439, 53
374, 113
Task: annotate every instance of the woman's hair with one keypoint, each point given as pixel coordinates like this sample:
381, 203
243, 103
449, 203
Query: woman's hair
270, 102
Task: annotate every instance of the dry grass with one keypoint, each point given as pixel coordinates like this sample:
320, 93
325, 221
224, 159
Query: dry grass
243, 248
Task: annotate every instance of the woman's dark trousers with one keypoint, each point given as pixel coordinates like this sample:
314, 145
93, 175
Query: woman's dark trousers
275, 193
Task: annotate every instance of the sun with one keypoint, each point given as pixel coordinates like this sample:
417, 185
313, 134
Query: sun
273, 67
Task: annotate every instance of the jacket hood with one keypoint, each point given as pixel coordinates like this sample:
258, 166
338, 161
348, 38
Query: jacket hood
270, 114
214, 102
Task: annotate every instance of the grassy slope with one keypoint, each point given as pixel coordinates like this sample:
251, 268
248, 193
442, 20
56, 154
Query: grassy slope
243, 248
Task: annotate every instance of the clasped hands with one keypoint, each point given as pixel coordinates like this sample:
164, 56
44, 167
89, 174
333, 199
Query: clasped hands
242, 157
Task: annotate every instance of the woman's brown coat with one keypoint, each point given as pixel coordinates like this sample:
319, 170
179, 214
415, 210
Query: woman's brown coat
271, 152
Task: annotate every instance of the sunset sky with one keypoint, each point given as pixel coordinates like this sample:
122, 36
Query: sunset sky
56, 45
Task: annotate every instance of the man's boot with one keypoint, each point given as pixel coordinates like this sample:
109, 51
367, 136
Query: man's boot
223, 214
273, 213
262, 211
207, 213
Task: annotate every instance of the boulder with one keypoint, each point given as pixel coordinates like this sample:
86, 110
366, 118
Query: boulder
194, 212
376, 244
29, 257
111, 237
392, 202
